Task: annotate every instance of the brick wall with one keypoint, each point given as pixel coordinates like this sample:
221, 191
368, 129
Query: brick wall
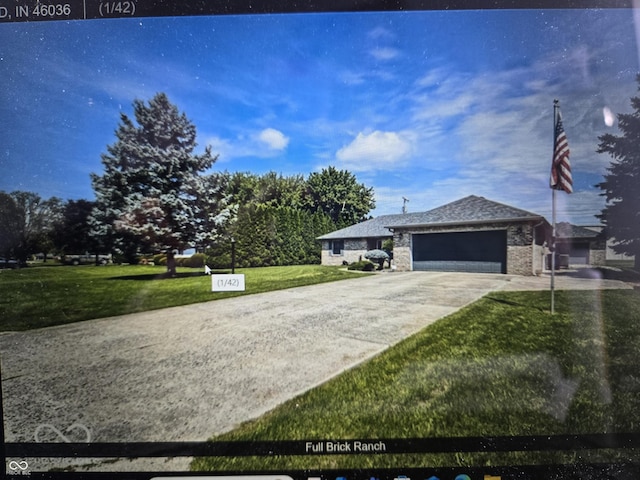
354, 250
520, 260
539, 255
402, 257
597, 252
523, 257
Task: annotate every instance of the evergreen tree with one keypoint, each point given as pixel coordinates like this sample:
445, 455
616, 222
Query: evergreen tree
212, 208
72, 233
148, 196
621, 214
10, 225
254, 233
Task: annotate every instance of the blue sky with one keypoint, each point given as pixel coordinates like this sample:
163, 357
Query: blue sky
431, 106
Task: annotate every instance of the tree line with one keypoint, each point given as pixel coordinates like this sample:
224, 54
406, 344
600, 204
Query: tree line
156, 194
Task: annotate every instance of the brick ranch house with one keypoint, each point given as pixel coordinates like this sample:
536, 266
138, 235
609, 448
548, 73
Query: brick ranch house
472, 234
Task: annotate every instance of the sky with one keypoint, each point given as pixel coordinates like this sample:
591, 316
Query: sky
431, 106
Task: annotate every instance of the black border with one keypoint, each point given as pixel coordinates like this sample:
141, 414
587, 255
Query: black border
93, 9
617, 471
299, 447
621, 471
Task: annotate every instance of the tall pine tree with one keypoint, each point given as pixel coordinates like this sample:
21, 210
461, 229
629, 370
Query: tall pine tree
621, 214
147, 197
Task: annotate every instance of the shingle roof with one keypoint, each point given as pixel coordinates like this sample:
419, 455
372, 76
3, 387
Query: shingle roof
567, 230
471, 209
367, 229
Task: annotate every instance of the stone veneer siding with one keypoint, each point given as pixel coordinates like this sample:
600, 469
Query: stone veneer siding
354, 250
539, 255
598, 252
523, 256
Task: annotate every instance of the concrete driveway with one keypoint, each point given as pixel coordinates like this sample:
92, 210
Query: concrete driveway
189, 372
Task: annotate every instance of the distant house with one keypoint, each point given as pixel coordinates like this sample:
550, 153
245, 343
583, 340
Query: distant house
472, 234
610, 255
581, 246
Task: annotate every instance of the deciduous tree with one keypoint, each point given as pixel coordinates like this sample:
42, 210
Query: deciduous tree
27, 222
338, 194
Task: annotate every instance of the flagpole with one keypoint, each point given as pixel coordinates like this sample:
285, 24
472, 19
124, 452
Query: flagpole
553, 249
553, 216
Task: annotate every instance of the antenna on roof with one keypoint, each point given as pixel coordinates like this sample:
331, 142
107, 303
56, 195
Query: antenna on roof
405, 200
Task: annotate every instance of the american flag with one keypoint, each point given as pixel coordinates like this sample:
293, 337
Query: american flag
560, 167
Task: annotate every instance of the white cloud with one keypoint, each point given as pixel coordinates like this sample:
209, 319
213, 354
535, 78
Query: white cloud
220, 146
263, 144
441, 94
352, 78
451, 107
274, 139
432, 78
381, 33
375, 151
384, 53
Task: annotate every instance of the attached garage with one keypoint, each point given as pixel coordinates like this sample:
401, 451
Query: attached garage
479, 252
472, 234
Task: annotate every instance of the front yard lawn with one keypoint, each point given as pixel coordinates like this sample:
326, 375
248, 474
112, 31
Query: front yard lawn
37, 297
503, 366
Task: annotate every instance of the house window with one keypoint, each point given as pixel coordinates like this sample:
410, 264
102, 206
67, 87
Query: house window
336, 247
374, 244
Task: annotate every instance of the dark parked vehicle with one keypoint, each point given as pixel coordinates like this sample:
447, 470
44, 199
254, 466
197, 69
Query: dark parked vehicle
8, 263
86, 259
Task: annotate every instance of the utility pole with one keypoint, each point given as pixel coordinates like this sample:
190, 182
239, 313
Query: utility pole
405, 200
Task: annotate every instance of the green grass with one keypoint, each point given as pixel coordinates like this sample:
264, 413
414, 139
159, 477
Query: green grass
498, 367
37, 297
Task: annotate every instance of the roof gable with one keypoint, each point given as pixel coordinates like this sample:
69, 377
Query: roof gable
567, 230
367, 229
471, 209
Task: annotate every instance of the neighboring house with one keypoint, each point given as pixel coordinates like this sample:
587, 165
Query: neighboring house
610, 254
472, 234
580, 245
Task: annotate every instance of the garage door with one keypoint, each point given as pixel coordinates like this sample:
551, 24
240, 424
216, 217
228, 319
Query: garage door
483, 252
579, 254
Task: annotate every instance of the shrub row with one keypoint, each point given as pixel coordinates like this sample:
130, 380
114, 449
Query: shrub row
271, 235
363, 265
197, 260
